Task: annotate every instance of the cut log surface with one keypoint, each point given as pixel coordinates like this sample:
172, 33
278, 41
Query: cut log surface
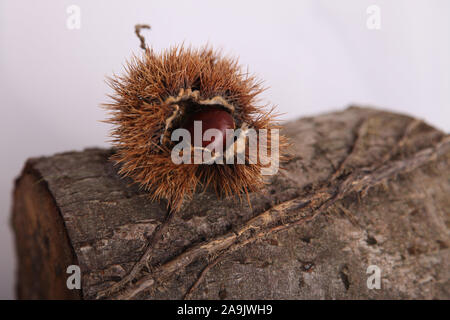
363, 187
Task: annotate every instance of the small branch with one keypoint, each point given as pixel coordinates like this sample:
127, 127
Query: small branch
137, 30
143, 261
201, 276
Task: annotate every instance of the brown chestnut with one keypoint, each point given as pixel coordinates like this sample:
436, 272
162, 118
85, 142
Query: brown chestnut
211, 118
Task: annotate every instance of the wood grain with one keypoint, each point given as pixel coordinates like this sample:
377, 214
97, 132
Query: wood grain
363, 187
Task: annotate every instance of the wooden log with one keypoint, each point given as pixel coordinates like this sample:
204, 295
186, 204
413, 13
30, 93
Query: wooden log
363, 187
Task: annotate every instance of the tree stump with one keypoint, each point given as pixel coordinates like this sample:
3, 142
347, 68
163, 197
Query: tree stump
363, 187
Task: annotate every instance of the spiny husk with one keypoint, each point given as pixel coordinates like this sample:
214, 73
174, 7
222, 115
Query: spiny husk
143, 100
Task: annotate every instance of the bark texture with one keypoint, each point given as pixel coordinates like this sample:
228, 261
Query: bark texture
363, 187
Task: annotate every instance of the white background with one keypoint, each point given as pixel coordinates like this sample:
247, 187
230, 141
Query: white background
314, 55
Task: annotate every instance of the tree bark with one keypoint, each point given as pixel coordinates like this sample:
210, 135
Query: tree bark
362, 187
